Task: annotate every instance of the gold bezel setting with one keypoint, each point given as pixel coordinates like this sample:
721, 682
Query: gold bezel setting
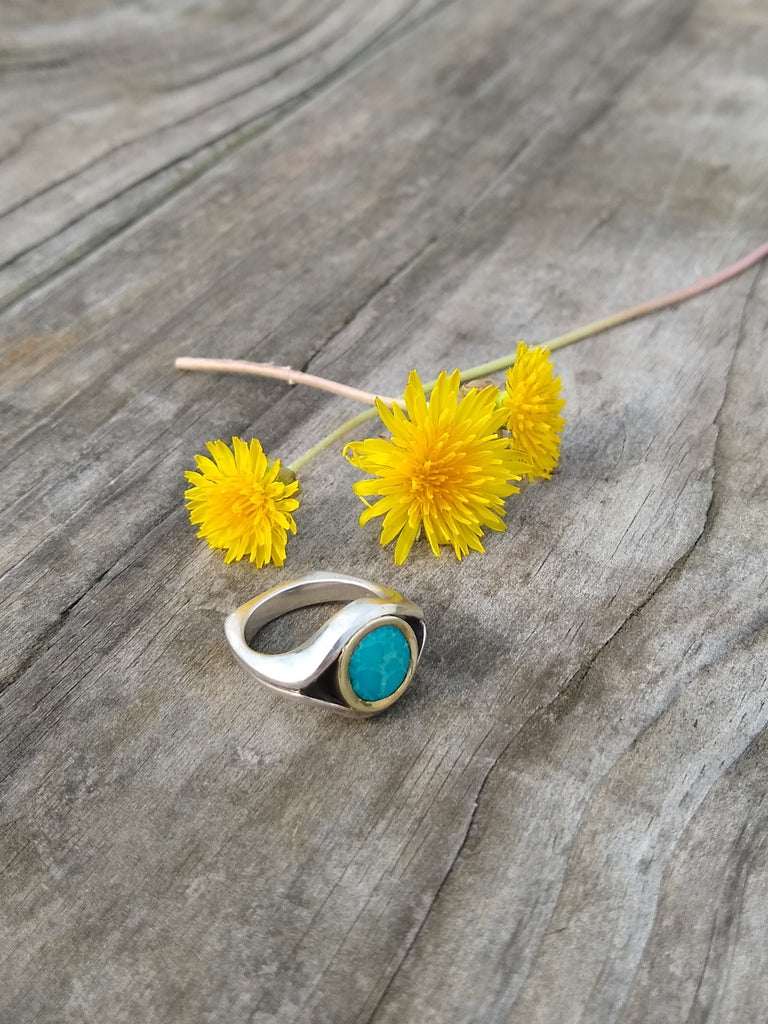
347, 693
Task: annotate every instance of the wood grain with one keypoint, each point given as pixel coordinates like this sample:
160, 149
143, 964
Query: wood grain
565, 819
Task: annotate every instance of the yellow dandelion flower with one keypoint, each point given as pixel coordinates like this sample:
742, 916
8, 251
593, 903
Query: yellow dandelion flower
240, 503
532, 406
445, 469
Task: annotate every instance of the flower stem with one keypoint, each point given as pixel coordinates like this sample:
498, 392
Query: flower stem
334, 436
625, 315
278, 373
473, 372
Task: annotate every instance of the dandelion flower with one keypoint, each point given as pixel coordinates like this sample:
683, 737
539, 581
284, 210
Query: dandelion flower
240, 502
445, 470
532, 406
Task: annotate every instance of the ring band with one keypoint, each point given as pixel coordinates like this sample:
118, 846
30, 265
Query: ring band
359, 663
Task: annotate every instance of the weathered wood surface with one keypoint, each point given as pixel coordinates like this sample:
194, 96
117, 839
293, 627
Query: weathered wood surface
566, 819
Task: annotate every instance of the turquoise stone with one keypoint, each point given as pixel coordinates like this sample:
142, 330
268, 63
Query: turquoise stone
379, 663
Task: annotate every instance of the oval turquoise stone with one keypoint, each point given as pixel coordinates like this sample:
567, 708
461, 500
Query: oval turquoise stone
379, 663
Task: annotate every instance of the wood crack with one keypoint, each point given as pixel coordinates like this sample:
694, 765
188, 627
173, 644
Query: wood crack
621, 73
217, 148
717, 456
90, 165
371, 1015
45, 641
400, 271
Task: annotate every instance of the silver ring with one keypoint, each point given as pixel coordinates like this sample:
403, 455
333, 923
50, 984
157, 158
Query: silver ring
359, 663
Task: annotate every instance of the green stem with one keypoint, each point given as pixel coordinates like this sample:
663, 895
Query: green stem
624, 316
570, 338
332, 438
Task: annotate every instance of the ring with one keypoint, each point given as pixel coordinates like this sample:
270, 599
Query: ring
359, 663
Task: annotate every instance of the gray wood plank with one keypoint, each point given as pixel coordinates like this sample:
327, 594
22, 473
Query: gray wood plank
565, 818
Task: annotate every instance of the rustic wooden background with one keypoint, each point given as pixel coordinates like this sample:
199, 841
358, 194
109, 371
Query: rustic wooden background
566, 818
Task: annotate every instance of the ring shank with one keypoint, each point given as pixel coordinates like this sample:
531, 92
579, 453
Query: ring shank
316, 588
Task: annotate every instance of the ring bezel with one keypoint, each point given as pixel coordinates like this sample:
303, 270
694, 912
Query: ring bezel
346, 691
